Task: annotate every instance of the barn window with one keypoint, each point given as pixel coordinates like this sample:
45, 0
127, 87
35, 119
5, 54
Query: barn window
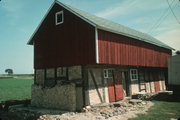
133, 74
108, 73
59, 18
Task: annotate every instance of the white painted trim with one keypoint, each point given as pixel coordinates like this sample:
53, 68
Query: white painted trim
60, 12
40, 23
107, 73
96, 45
67, 8
134, 74
105, 70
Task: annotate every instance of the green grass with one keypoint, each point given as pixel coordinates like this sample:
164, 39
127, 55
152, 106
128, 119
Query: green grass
15, 89
162, 110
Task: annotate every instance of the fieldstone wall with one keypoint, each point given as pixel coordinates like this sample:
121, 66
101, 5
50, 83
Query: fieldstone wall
148, 87
50, 73
152, 87
59, 97
79, 98
163, 85
74, 72
99, 95
61, 72
134, 87
97, 75
94, 98
160, 85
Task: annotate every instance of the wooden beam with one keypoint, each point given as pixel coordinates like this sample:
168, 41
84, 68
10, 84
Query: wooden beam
96, 86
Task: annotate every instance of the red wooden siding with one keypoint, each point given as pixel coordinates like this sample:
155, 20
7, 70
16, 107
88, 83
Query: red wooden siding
70, 43
111, 90
121, 50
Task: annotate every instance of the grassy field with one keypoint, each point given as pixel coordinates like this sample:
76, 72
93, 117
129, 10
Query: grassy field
162, 110
15, 88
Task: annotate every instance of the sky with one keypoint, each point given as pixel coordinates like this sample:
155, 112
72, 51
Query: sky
19, 19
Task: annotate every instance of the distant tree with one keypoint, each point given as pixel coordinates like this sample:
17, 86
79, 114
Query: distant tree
177, 52
9, 71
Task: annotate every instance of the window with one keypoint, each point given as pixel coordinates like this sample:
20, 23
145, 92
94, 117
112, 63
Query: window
108, 73
59, 18
133, 74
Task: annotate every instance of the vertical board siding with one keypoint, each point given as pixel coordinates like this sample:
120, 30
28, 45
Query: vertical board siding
70, 43
121, 50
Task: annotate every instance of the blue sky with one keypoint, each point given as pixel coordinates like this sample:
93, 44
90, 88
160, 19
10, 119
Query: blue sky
19, 19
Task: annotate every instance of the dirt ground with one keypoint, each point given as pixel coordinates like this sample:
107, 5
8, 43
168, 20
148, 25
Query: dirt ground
107, 114
103, 113
120, 110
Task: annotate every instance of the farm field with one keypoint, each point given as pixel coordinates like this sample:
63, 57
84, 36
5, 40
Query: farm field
17, 88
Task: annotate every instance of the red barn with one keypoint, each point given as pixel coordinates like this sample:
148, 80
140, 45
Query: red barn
81, 59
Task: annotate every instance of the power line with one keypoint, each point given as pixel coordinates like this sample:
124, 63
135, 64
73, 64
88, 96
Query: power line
172, 12
163, 19
158, 22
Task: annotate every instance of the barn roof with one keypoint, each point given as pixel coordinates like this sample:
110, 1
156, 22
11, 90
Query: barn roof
110, 26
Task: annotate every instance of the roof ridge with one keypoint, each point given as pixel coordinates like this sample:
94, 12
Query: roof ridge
107, 25
130, 32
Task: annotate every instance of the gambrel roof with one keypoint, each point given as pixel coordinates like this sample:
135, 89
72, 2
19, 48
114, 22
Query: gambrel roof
103, 24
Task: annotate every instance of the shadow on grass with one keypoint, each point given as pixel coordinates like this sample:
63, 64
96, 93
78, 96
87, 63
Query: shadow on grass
166, 107
20, 112
163, 96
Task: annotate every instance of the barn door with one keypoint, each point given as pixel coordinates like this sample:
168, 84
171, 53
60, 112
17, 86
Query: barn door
111, 89
115, 87
118, 85
125, 83
156, 82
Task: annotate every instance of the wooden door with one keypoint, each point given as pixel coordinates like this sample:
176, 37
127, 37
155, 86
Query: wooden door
118, 86
156, 82
111, 89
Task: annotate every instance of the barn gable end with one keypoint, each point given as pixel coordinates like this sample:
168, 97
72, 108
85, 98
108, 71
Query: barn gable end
69, 43
87, 39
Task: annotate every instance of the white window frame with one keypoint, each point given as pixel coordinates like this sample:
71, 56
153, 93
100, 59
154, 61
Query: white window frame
107, 73
136, 74
60, 12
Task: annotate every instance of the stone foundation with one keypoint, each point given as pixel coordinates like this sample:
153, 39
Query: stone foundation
100, 95
134, 87
59, 97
